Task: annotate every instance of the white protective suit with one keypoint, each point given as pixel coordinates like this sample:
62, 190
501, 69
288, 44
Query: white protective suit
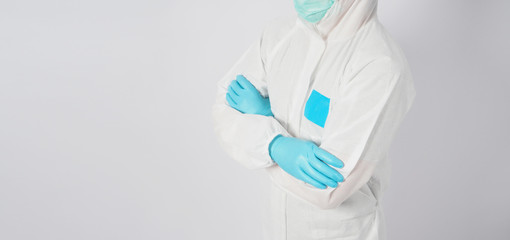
351, 59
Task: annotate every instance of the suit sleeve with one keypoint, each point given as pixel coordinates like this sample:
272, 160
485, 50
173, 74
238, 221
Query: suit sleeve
246, 137
363, 119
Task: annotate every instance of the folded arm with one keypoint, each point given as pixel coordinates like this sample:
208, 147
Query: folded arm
359, 130
245, 137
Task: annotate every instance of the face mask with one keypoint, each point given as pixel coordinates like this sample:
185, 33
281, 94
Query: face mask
312, 10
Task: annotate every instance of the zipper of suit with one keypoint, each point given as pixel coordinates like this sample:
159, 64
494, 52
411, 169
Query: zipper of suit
310, 83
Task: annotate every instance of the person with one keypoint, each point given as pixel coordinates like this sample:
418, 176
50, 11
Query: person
316, 102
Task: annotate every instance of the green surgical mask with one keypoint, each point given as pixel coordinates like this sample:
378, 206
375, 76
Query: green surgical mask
312, 10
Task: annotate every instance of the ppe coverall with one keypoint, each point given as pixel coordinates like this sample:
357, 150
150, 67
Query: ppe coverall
348, 63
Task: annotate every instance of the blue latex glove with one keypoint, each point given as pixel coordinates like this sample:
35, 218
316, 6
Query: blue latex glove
305, 161
245, 98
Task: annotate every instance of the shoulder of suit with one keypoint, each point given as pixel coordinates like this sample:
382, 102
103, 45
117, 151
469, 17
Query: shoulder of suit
276, 30
280, 26
376, 46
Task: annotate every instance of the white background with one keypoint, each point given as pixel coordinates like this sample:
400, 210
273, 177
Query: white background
106, 133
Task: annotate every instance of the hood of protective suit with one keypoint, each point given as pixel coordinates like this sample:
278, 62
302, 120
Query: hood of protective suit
343, 19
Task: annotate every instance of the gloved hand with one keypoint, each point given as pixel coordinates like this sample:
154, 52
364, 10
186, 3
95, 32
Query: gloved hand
305, 161
245, 98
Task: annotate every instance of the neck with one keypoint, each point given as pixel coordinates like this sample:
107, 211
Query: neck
330, 20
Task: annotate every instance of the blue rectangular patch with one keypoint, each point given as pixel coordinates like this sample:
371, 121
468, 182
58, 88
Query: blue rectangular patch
317, 108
